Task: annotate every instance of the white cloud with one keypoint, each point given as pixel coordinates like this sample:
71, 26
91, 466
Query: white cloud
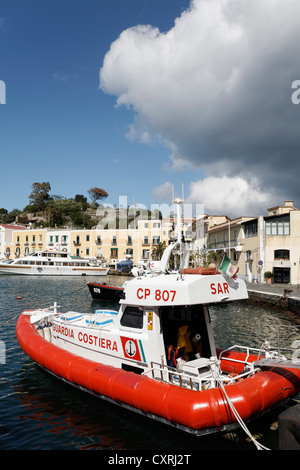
216, 89
230, 196
163, 192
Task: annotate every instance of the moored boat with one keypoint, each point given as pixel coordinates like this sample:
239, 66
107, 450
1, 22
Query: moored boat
53, 263
102, 291
156, 354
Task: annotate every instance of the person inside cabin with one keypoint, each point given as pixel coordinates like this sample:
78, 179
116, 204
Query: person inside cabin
184, 342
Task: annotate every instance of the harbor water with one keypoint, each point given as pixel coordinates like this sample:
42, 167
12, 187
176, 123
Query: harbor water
40, 412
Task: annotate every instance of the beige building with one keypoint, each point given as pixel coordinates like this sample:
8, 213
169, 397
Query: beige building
266, 243
282, 243
112, 245
28, 241
228, 237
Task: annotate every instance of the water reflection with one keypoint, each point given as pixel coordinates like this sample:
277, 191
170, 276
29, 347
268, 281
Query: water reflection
251, 325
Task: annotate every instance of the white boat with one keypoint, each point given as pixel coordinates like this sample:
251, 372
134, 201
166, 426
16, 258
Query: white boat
52, 263
156, 354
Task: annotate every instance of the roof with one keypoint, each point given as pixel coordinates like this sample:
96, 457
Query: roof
230, 223
14, 227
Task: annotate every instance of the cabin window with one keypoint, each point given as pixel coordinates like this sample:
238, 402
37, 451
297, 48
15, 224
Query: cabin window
132, 317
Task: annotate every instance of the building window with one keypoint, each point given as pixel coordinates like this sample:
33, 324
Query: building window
87, 238
156, 240
250, 229
146, 240
281, 254
129, 240
278, 226
114, 252
114, 240
87, 251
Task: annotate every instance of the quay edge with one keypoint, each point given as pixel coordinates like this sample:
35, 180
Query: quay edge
284, 298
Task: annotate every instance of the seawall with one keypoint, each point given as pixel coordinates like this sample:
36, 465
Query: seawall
286, 298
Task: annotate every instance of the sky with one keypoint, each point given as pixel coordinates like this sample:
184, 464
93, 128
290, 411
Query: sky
137, 96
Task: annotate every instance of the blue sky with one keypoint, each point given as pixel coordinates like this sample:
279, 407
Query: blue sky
190, 92
57, 125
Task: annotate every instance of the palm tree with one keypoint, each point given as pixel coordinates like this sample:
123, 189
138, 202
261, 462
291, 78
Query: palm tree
158, 250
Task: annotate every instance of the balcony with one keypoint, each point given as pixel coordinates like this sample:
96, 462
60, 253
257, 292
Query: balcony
225, 245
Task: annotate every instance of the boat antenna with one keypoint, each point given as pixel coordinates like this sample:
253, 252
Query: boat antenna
178, 203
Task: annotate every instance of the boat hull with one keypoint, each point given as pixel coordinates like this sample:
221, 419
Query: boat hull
105, 292
52, 271
198, 412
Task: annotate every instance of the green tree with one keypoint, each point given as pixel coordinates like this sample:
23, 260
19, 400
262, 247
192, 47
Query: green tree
158, 250
39, 195
3, 214
82, 200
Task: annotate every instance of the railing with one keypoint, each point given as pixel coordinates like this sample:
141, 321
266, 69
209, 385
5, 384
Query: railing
223, 244
213, 378
171, 375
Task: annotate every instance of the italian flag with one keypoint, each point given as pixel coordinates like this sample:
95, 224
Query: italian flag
227, 267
